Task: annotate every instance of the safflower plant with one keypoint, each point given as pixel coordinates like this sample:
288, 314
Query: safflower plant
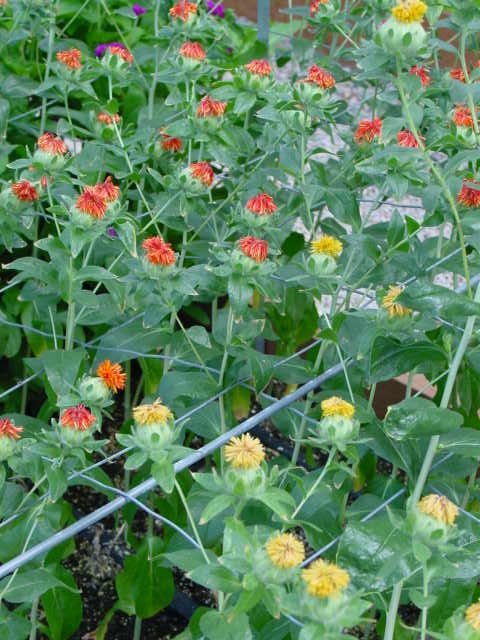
215, 253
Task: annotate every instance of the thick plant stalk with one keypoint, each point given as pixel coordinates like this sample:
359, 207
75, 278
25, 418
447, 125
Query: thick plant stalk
430, 455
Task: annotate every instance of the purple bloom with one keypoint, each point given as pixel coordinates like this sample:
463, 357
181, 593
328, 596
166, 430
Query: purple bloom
216, 8
138, 10
101, 48
112, 233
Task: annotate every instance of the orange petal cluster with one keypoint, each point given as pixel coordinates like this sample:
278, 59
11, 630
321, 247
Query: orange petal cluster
158, 251
457, 74
77, 418
210, 108
50, 143
315, 5
122, 52
368, 130
70, 58
9, 430
112, 374
320, 77
92, 203
106, 118
170, 143
25, 191
183, 10
193, 50
259, 67
469, 196
406, 138
462, 116
422, 73
254, 248
262, 204
203, 172
107, 190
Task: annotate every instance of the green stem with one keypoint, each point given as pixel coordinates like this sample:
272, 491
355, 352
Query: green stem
192, 521
392, 611
70, 329
153, 86
314, 486
51, 38
33, 620
468, 81
137, 629
423, 634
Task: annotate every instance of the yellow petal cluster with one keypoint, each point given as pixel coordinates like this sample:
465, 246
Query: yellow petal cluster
244, 452
285, 550
472, 616
394, 308
324, 579
327, 245
148, 414
337, 407
439, 507
408, 11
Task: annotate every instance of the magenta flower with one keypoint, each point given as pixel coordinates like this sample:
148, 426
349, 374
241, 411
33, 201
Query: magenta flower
215, 8
138, 10
112, 232
101, 48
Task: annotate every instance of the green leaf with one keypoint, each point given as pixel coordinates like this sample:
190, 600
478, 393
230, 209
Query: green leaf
390, 358
216, 506
29, 585
463, 442
219, 626
127, 234
63, 607
62, 369
144, 586
418, 417
164, 474
279, 501
136, 460
57, 481
215, 577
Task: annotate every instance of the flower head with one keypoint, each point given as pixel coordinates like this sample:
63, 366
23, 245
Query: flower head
285, 550
25, 191
193, 50
463, 117
259, 67
202, 171
472, 616
327, 245
112, 375
244, 452
121, 52
409, 11
469, 196
324, 579
52, 144
422, 73
183, 10
368, 130
215, 8
170, 143
107, 190
139, 10
92, 203
101, 48
254, 248
106, 118
320, 77
406, 138
70, 58
439, 507
457, 74
394, 308
335, 406
146, 415
9, 430
315, 5
77, 418
158, 251
210, 108
262, 204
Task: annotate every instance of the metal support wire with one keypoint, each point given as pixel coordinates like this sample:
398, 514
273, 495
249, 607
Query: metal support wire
148, 485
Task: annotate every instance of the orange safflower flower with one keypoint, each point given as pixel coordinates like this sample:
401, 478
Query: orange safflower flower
210, 108
107, 190
92, 203
368, 130
462, 116
315, 5
112, 375
52, 144
70, 58
193, 50
422, 73
170, 143
77, 418
106, 118
123, 53
183, 10
457, 74
254, 248
406, 138
320, 77
262, 204
25, 191
469, 196
203, 172
9, 430
158, 251
259, 67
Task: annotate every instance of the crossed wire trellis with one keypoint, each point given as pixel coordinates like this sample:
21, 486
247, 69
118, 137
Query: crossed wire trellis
124, 497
